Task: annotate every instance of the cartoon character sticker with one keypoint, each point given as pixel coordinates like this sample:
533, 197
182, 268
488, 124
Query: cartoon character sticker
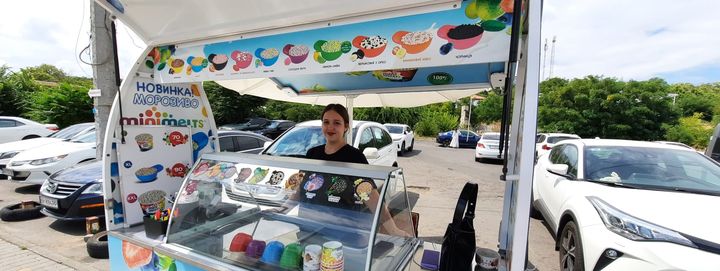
315, 181
259, 175
294, 181
243, 175
276, 177
337, 187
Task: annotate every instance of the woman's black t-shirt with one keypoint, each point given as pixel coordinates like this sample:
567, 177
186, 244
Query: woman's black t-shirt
347, 154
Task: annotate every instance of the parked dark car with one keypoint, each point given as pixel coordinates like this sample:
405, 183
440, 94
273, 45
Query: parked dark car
76, 192
467, 138
275, 128
249, 124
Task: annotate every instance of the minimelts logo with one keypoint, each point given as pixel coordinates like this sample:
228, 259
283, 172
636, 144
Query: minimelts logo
154, 117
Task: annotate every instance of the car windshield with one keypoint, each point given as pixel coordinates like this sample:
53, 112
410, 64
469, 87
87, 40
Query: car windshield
84, 138
653, 168
556, 139
70, 131
394, 129
298, 140
273, 124
491, 137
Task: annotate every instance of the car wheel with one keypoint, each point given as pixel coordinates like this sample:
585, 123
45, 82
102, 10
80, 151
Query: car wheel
97, 245
477, 159
571, 254
402, 149
14, 213
534, 213
445, 143
412, 144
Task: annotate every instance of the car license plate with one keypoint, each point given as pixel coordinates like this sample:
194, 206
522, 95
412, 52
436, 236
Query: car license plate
49, 202
493, 147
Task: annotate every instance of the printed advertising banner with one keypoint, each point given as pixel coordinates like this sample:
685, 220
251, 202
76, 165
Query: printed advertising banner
472, 33
162, 115
153, 163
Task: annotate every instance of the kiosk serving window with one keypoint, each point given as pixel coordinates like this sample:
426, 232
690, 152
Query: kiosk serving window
274, 213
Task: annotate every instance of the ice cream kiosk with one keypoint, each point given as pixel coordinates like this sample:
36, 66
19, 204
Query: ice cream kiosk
174, 202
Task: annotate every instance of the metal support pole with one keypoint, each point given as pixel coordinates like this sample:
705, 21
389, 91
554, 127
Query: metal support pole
105, 74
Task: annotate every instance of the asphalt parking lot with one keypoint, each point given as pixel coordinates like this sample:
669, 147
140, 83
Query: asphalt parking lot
437, 174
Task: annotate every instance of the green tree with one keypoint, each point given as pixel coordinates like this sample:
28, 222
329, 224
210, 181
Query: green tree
63, 105
45, 72
605, 107
693, 131
296, 112
409, 116
488, 110
228, 106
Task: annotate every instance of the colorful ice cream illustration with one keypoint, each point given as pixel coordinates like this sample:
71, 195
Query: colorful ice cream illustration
337, 187
259, 175
144, 141
314, 182
296, 53
148, 174
411, 42
178, 170
175, 138
200, 140
196, 64
217, 62
266, 57
276, 177
460, 37
363, 188
294, 180
368, 47
201, 168
242, 60
243, 175
159, 56
330, 50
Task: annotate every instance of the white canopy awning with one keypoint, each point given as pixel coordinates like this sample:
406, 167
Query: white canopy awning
267, 88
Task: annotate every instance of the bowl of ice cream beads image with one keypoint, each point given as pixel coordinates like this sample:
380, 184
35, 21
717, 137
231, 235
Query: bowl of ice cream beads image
144, 141
267, 57
413, 42
461, 36
296, 53
148, 174
368, 46
176, 65
196, 64
217, 62
242, 60
330, 50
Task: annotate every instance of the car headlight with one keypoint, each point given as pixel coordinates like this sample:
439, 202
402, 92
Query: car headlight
8, 155
634, 228
95, 188
48, 160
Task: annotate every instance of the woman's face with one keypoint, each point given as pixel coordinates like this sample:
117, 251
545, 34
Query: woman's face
333, 127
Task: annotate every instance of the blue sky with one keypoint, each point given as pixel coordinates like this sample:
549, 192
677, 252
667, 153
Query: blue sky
674, 40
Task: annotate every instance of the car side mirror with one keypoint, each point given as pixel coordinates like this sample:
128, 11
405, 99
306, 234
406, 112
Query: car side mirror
405, 132
559, 169
371, 153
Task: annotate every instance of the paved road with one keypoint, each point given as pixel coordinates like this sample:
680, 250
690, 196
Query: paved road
436, 173
439, 174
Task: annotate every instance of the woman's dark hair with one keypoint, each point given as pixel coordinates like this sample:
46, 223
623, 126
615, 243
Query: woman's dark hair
338, 108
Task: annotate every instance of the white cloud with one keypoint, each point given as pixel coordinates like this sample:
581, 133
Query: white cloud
631, 39
618, 38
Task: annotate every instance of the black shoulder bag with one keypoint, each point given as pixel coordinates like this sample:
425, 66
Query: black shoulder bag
458, 247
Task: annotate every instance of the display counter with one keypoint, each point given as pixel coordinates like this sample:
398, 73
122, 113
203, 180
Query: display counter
250, 212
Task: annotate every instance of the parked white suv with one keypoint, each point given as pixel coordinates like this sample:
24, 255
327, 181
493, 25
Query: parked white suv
545, 141
16, 128
629, 205
402, 135
369, 137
